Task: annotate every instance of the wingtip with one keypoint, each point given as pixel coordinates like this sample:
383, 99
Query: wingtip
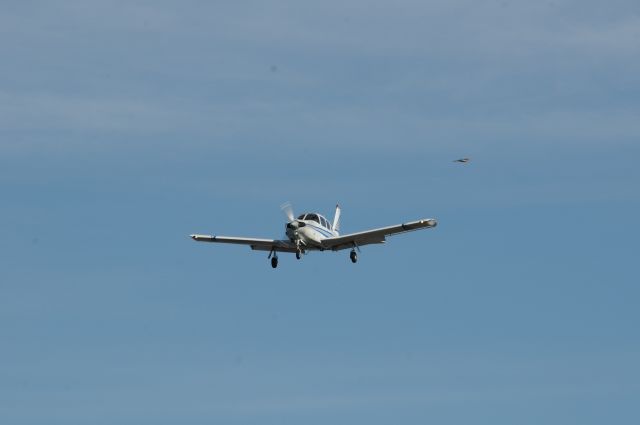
429, 222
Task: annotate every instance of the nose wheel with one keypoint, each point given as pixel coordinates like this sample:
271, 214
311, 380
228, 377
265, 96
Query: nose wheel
354, 256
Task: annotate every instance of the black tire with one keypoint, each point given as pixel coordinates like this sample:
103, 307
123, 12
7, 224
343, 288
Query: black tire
298, 254
353, 256
274, 262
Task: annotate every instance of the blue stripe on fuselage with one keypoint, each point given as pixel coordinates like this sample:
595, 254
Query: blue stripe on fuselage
321, 230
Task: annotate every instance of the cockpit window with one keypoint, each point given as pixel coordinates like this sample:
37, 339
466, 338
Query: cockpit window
313, 217
301, 217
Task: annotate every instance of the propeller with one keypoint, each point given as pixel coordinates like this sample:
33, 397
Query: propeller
287, 209
292, 223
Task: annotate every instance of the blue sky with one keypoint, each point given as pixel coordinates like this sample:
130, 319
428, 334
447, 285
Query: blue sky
126, 126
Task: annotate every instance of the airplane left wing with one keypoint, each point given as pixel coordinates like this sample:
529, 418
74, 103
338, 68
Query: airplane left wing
376, 235
254, 243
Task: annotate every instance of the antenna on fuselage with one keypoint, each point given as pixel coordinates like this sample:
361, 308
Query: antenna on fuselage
336, 219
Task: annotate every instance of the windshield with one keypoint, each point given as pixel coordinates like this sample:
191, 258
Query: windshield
313, 217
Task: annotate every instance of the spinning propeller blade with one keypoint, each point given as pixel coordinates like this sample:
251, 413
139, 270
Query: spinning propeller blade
287, 209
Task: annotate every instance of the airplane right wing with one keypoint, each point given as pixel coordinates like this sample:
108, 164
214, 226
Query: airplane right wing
254, 243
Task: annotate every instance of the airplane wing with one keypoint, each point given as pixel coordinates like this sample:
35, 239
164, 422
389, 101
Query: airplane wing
255, 244
375, 235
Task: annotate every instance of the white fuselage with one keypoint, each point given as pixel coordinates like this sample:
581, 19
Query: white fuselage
310, 233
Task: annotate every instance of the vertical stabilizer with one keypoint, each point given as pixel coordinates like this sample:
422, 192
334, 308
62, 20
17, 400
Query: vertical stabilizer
336, 219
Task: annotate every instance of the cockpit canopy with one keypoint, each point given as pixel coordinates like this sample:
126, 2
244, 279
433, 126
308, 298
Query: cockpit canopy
317, 218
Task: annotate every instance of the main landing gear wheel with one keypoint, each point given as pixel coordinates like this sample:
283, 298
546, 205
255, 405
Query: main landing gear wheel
353, 256
298, 254
274, 262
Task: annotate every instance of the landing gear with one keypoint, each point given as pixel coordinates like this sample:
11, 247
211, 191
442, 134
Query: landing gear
353, 255
274, 258
298, 254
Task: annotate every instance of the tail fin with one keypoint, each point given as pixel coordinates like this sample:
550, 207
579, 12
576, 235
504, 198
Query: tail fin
336, 219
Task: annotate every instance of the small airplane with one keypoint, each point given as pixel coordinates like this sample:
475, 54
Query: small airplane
313, 232
462, 160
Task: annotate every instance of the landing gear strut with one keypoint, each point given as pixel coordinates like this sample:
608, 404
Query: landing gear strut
353, 255
299, 250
